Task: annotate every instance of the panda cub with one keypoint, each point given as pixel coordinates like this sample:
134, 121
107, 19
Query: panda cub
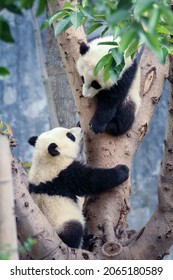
117, 103
58, 175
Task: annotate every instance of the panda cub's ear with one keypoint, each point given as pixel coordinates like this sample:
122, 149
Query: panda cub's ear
84, 48
32, 140
52, 150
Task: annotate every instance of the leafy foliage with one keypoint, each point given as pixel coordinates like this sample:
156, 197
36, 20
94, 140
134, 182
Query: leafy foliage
136, 22
7, 250
28, 245
5, 129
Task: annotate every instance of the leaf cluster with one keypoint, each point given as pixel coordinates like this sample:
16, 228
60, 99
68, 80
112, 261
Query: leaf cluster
135, 22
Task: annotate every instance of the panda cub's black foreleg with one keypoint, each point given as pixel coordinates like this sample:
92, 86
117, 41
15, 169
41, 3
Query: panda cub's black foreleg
72, 234
123, 119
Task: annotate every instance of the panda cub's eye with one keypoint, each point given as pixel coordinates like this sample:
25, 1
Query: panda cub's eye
95, 84
83, 81
71, 136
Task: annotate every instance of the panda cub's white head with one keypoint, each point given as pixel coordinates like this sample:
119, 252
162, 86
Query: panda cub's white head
89, 57
54, 151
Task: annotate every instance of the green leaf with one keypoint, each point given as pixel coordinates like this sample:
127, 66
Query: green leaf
93, 27
41, 7
76, 19
102, 62
163, 30
106, 73
127, 39
87, 12
132, 48
163, 56
111, 43
153, 43
14, 9
154, 19
170, 50
45, 24
116, 56
63, 25
168, 15
57, 16
104, 31
141, 6
69, 5
5, 32
26, 4
118, 16
3, 72
5, 128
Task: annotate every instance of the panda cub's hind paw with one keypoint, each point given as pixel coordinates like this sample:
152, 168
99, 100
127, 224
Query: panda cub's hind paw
96, 126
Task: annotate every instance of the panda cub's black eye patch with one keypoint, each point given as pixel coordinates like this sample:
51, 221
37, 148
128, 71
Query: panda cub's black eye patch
83, 81
95, 84
71, 136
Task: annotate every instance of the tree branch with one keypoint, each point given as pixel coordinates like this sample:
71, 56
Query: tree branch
8, 236
51, 104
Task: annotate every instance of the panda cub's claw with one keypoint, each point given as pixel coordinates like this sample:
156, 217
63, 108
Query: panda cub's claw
122, 173
96, 126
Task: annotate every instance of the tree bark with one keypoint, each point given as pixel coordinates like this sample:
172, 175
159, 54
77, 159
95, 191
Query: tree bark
60, 89
8, 234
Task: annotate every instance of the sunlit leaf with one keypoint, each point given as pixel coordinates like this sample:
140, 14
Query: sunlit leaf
118, 16
132, 48
5, 128
45, 24
41, 7
63, 25
154, 19
117, 57
76, 19
127, 39
57, 16
93, 27
68, 5
141, 6
87, 12
102, 62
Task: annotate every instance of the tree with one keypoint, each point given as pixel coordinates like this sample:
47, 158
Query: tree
111, 208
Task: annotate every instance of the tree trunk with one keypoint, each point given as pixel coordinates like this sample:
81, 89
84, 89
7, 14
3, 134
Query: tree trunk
8, 234
60, 89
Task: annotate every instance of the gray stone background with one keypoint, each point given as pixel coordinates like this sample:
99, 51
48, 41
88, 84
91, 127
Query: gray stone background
23, 105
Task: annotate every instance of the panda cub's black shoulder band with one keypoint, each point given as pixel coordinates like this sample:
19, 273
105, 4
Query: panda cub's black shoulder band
51, 189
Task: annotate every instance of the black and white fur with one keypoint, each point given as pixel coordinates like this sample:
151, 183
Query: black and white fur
58, 175
117, 103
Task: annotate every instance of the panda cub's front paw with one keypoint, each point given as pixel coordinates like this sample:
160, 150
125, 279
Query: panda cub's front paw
96, 126
121, 173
